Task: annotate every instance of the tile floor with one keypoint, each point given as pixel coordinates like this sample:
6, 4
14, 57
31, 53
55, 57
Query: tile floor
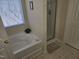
64, 52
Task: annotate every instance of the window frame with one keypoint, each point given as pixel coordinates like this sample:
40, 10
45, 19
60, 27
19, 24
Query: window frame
20, 27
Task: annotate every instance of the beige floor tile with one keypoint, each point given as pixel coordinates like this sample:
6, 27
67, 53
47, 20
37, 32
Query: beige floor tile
64, 52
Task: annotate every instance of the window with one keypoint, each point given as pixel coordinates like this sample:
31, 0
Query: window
11, 12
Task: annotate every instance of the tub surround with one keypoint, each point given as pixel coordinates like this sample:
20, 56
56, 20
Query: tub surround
24, 44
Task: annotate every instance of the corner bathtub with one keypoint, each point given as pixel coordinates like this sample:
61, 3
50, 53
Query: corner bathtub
23, 44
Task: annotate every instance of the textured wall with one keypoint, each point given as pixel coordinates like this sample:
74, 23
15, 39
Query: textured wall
62, 6
72, 24
38, 18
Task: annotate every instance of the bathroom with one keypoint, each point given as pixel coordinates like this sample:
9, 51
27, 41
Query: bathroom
45, 29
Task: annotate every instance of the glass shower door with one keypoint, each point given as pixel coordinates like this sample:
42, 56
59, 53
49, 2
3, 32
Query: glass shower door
5, 52
51, 18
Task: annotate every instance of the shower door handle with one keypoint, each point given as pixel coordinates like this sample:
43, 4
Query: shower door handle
49, 12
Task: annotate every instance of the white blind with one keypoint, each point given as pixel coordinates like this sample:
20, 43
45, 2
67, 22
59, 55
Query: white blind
11, 12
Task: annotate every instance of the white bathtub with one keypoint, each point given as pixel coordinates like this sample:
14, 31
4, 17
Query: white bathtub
23, 44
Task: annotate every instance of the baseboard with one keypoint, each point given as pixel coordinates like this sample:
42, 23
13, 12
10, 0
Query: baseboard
71, 46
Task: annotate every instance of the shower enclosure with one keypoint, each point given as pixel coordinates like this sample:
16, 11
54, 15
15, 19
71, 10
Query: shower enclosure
51, 18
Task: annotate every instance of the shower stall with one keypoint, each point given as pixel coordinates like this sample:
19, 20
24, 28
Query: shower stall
52, 42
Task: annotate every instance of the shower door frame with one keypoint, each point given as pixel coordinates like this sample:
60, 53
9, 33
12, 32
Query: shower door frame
5, 48
54, 25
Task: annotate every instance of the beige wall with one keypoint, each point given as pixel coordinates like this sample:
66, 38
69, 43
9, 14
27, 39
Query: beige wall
12, 31
61, 18
37, 18
71, 36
